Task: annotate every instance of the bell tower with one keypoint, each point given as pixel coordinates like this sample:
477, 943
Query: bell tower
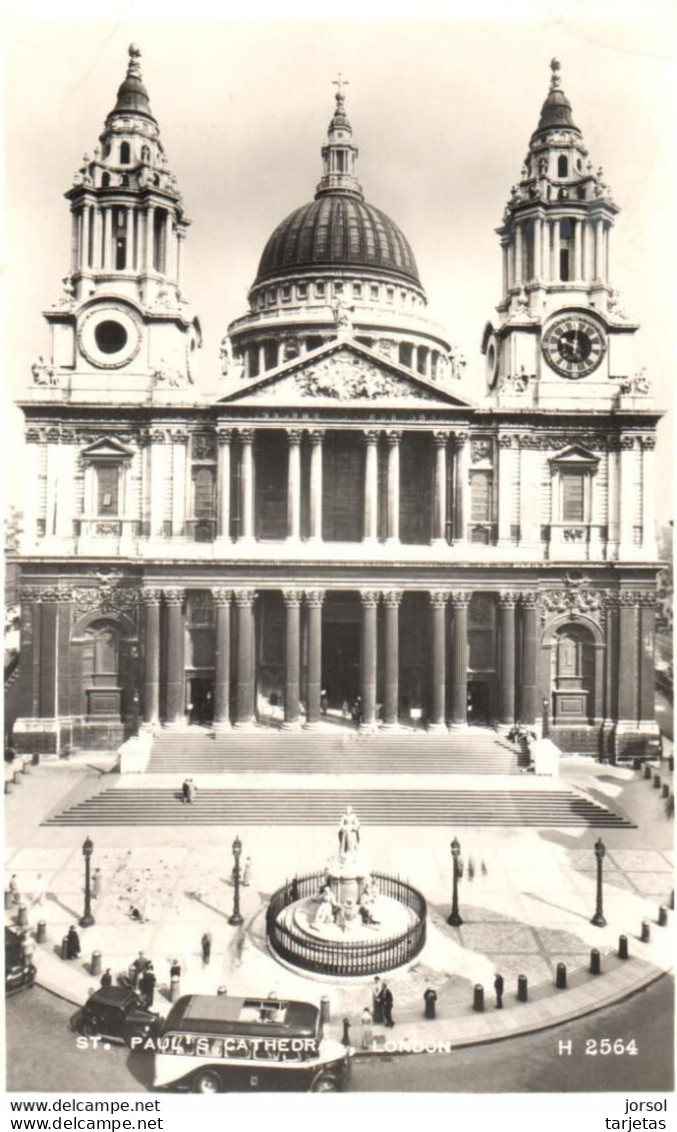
122, 315
562, 338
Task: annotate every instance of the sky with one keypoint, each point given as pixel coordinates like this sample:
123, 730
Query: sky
442, 112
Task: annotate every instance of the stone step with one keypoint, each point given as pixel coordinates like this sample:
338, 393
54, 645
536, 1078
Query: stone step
120, 807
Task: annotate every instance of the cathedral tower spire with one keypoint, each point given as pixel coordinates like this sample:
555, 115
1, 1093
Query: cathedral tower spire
339, 155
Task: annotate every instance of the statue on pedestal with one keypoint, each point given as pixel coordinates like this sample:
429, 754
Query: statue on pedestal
349, 832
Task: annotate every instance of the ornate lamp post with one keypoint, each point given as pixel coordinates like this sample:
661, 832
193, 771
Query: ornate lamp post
598, 918
455, 916
236, 917
87, 850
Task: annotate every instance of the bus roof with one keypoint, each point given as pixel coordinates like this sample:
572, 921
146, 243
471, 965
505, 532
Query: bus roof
226, 1014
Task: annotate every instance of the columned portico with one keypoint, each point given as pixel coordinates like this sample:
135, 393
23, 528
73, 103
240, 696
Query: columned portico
314, 601
222, 599
371, 439
151, 651
294, 484
392, 600
316, 439
292, 658
440, 514
224, 437
247, 484
438, 606
460, 599
245, 683
368, 654
175, 681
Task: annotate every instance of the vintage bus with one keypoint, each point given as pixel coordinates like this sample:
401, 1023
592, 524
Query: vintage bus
219, 1043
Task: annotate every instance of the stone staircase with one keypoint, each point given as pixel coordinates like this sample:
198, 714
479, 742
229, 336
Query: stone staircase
333, 751
162, 806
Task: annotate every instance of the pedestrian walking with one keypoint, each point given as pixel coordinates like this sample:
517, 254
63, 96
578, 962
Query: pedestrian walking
147, 986
40, 890
96, 884
107, 978
498, 987
247, 872
367, 1036
377, 1002
388, 1003
185, 791
73, 943
137, 968
192, 791
206, 947
13, 888
27, 948
430, 999
175, 969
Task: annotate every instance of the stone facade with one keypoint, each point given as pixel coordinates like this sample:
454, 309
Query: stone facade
338, 526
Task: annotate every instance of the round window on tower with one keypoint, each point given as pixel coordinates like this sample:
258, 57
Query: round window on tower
110, 336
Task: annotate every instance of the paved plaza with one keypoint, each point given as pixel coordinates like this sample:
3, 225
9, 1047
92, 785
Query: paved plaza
526, 898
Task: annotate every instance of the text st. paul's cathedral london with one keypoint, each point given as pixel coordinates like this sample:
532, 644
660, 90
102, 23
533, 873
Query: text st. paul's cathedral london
374, 601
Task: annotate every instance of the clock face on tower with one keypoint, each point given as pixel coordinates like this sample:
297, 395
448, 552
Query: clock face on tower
574, 345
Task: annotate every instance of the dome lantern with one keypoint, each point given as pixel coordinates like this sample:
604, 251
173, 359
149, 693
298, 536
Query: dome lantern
339, 155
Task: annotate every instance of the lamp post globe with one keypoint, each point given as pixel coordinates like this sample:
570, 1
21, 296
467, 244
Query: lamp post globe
87, 919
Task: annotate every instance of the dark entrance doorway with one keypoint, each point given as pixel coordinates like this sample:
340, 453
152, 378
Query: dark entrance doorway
200, 707
341, 662
479, 703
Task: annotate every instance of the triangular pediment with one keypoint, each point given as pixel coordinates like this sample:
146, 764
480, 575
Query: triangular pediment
575, 454
343, 373
107, 447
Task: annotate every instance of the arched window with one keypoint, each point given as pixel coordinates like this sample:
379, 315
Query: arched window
105, 180
124, 153
562, 166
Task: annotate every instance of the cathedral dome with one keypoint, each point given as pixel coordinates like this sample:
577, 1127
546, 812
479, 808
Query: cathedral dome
338, 229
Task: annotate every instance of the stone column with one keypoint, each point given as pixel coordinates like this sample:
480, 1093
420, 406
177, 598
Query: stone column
84, 256
150, 217
391, 708
179, 439
438, 712
538, 247
151, 653
506, 486
245, 706
129, 239
647, 676
175, 675
648, 495
462, 488
577, 272
292, 658
65, 505
440, 513
529, 699
506, 667
545, 256
628, 668
599, 250
613, 480
519, 267
222, 599
460, 599
316, 438
505, 250
368, 653
314, 600
554, 252
107, 237
224, 437
96, 253
158, 473
628, 487
370, 526
294, 484
247, 483
393, 486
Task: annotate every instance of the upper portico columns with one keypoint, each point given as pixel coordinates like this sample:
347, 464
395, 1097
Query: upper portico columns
316, 460
393, 439
370, 529
294, 484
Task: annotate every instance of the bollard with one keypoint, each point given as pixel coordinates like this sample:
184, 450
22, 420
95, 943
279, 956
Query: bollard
174, 988
222, 990
665, 792
22, 916
647, 771
656, 781
345, 1037
646, 932
636, 764
478, 997
64, 947
561, 976
8, 786
95, 967
672, 899
623, 952
41, 934
671, 764
662, 916
35, 759
26, 766
595, 962
325, 1009
522, 988
9, 901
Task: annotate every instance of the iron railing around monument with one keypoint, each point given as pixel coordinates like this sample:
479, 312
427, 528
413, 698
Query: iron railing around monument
336, 957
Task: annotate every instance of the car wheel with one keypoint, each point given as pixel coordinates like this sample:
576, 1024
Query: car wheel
206, 1082
89, 1029
325, 1083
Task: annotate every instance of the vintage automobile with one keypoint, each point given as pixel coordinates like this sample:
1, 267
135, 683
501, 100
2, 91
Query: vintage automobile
219, 1044
19, 974
116, 1013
